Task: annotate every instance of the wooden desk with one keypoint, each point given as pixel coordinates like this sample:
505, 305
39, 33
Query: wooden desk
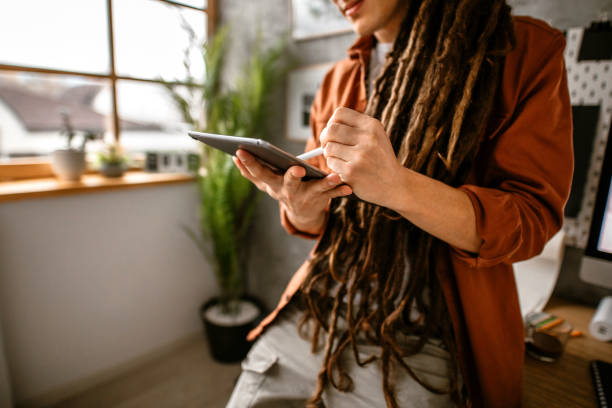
567, 382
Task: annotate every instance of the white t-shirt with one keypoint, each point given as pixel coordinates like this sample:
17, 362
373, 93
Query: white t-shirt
377, 60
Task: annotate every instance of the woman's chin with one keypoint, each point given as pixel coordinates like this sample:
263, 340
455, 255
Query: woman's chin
362, 28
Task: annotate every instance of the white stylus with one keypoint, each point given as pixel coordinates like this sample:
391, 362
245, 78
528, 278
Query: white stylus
309, 155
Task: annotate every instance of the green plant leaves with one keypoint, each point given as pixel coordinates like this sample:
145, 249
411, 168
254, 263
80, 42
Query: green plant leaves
227, 200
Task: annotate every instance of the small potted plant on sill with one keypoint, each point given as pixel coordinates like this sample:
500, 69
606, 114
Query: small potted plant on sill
112, 161
227, 200
69, 164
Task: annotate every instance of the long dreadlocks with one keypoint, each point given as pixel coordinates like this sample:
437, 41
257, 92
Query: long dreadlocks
433, 97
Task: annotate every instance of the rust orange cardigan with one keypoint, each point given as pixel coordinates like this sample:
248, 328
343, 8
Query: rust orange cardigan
518, 187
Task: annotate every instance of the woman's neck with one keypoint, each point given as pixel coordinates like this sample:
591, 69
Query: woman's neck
388, 32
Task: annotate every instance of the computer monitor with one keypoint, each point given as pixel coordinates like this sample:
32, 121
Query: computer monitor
597, 261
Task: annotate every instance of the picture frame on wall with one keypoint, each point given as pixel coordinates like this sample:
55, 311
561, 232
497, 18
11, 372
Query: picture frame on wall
315, 19
302, 86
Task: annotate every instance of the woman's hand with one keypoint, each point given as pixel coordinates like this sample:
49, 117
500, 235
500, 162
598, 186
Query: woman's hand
357, 147
305, 202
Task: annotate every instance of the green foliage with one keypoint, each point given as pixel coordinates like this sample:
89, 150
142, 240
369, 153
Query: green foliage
112, 154
227, 200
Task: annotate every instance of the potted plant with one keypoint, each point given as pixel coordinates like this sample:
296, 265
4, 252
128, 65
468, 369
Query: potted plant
227, 200
112, 161
69, 164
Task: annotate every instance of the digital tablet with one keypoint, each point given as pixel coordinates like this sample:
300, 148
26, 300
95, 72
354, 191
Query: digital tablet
269, 155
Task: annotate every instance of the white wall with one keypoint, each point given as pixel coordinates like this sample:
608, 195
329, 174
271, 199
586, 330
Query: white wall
88, 282
563, 14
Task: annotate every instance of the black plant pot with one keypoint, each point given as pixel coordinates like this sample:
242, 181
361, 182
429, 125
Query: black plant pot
112, 170
228, 344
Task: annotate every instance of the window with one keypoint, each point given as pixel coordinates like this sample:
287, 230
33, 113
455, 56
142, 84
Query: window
102, 64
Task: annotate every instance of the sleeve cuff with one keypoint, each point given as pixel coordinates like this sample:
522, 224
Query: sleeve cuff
501, 236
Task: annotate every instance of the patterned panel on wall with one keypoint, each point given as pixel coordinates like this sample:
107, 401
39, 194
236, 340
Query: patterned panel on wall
590, 87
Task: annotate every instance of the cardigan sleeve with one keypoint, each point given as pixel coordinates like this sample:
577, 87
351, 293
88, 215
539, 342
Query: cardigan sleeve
519, 203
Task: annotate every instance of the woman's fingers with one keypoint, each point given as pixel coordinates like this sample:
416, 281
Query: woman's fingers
339, 133
328, 187
246, 174
351, 118
293, 178
257, 170
338, 150
290, 186
339, 166
339, 191
328, 183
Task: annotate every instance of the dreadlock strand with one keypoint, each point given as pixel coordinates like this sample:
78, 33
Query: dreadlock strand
471, 79
447, 19
323, 374
386, 380
383, 83
344, 382
408, 62
451, 44
405, 58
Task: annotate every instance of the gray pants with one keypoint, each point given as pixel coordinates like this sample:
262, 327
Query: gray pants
280, 371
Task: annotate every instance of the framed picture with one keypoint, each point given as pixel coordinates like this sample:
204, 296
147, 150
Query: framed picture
302, 87
316, 18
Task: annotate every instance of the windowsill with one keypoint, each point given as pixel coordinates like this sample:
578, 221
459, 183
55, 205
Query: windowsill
90, 183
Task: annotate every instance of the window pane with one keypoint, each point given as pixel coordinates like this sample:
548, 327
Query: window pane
61, 34
149, 119
32, 105
150, 39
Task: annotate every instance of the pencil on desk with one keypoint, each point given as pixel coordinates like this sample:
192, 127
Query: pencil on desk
548, 324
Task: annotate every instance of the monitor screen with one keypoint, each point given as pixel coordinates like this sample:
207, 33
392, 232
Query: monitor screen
605, 235
596, 265
600, 235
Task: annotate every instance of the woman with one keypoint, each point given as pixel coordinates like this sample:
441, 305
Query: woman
455, 164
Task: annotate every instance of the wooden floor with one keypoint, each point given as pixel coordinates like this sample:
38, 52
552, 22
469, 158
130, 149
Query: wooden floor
187, 377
